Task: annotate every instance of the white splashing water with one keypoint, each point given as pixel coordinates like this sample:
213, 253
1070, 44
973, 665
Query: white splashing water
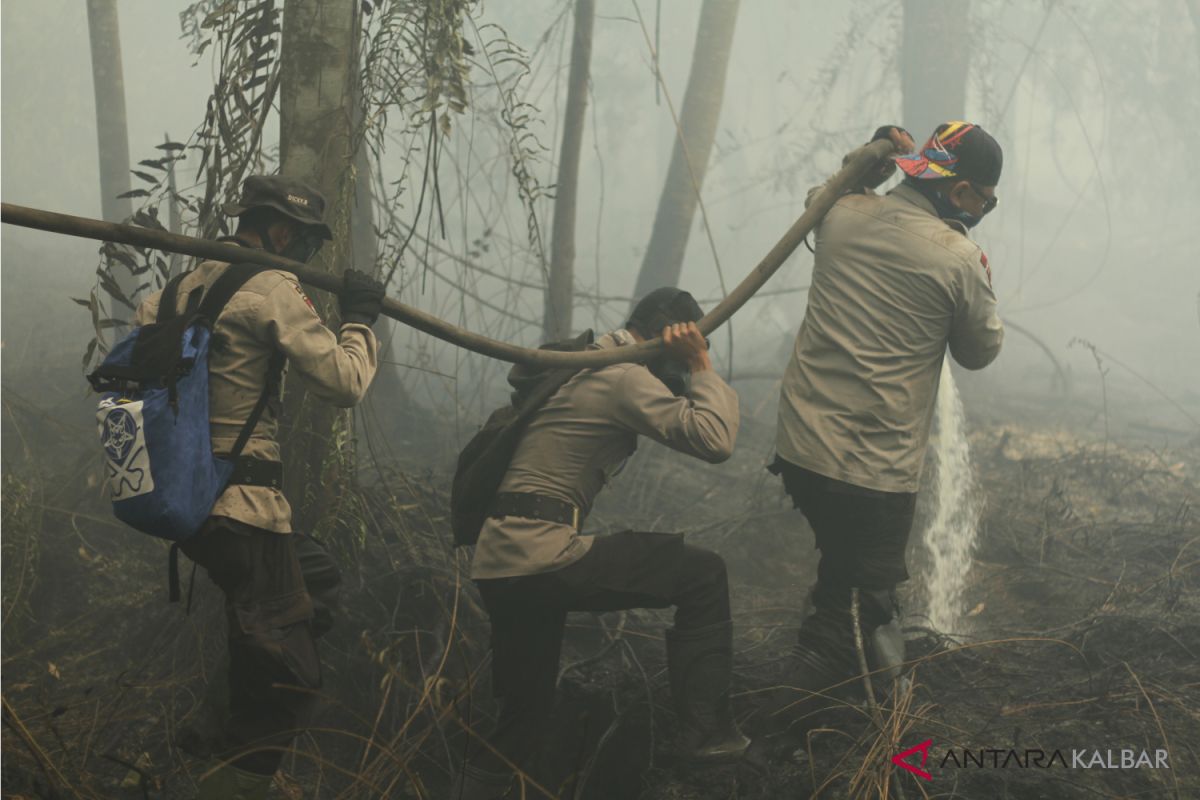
950, 535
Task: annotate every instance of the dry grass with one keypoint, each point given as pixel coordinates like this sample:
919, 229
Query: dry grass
1084, 634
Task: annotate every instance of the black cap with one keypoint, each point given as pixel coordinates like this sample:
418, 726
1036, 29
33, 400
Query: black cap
956, 150
663, 307
295, 199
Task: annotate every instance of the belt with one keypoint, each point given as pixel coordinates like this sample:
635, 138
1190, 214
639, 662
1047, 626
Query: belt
535, 506
249, 471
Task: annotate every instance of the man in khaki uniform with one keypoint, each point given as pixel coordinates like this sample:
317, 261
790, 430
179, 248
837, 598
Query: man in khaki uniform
532, 565
247, 546
896, 281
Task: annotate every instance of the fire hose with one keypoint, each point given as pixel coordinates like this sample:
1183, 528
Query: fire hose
846, 179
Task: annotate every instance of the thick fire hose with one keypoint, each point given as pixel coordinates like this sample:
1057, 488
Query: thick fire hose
847, 178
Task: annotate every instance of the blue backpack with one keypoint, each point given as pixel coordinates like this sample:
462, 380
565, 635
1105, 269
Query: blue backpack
153, 416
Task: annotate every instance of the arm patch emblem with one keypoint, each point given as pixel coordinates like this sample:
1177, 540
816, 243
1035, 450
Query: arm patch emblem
305, 298
982, 260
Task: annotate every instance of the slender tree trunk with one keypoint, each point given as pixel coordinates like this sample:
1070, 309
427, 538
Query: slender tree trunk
559, 293
315, 108
1193, 7
693, 146
174, 219
362, 218
935, 56
109, 83
387, 392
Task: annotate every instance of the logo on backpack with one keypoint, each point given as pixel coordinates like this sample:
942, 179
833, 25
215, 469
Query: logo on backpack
124, 442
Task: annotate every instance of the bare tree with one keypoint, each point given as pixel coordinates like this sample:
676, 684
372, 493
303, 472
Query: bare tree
108, 80
319, 67
1193, 7
934, 61
693, 145
559, 306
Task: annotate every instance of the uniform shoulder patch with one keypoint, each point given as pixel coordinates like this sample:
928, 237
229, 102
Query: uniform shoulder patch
987, 269
308, 302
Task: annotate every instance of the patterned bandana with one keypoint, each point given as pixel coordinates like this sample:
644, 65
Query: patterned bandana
956, 149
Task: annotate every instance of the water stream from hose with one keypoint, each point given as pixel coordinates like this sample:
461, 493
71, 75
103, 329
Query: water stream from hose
952, 530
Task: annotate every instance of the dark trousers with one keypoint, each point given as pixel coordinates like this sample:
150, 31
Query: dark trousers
274, 667
621, 571
862, 533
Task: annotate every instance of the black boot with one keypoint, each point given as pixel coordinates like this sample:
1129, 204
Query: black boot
825, 660
884, 641
819, 673
699, 661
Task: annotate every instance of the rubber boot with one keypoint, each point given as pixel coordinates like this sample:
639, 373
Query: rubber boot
884, 643
885, 651
699, 662
227, 782
821, 664
472, 783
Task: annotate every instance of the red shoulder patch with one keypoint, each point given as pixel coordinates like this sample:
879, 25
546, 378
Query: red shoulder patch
982, 260
305, 298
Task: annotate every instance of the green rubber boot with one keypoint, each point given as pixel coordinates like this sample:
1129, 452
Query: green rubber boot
227, 782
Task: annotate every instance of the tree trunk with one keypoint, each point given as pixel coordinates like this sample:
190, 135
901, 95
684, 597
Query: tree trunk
174, 218
1193, 7
387, 393
693, 146
559, 293
109, 83
318, 64
935, 53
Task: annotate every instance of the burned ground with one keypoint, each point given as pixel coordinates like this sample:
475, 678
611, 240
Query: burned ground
1083, 630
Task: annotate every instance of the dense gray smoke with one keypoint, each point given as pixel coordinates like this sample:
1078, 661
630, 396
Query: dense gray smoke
524, 170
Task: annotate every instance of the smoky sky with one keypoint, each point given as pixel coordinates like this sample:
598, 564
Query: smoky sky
1095, 235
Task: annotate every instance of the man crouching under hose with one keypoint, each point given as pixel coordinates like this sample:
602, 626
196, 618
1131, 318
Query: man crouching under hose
532, 565
896, 282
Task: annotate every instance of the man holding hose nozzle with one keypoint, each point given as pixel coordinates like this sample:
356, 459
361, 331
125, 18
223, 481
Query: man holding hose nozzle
896, 281
533, 565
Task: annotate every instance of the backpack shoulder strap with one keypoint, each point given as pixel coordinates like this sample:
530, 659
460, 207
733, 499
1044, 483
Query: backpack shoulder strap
170, 297
270, 388
224, 288
218, 295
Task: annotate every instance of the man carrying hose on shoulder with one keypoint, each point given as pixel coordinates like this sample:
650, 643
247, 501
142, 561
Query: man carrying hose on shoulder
896, 281
279, 585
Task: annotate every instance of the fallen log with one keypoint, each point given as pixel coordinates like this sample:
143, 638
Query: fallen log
850, 175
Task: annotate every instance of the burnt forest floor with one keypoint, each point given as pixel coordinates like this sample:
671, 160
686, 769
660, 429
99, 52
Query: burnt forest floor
1083, 629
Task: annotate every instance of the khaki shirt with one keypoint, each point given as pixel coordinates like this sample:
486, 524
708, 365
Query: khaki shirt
893, 285
269, 313
581, 437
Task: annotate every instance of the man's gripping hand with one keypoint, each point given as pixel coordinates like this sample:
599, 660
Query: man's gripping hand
902, 142
361, 298
684, 341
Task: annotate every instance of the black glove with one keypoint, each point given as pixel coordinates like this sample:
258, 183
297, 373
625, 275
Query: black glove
361, 298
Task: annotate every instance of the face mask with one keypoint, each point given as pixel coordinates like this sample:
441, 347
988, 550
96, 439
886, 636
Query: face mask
947, 210
302, 248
